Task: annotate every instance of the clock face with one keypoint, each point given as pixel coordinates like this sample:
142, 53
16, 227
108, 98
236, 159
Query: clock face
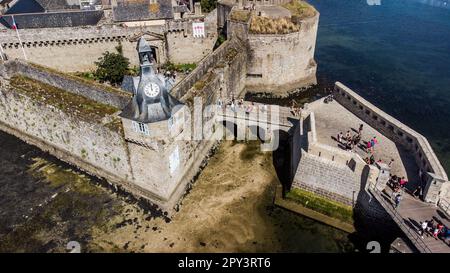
151, 90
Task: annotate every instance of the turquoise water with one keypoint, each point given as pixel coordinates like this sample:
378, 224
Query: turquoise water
396, 55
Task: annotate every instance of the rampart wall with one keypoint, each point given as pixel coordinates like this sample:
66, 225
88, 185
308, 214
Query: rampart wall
91, 90
401, 134
292, 54
230, 56
77, 48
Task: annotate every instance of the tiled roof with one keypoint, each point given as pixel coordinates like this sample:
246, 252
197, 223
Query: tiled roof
53, 19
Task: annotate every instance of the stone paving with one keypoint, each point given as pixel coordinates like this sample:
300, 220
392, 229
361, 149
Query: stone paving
332, 118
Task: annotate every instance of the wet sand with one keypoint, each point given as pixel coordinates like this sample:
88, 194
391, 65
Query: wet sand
229, 209
45, 204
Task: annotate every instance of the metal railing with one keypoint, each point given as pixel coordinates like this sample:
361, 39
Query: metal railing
412, 234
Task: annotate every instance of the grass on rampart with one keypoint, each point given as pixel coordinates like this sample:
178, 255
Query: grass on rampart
240, 15
84, 80
265, 25
321, 204
300, 9
187, 67
67, 102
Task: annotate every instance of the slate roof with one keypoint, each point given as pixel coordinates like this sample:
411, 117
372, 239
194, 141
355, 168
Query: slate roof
52, 5
129, 83
53, 19
138, 10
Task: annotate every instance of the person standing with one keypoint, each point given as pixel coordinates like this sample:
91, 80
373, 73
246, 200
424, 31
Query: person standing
347, 136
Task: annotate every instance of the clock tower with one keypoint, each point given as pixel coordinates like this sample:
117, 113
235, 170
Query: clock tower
151, 101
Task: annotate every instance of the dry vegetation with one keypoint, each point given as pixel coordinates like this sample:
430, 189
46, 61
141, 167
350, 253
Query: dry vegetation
300, 9
264, 25
240, 15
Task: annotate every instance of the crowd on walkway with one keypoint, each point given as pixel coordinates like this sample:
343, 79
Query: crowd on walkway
241, 105
435, 229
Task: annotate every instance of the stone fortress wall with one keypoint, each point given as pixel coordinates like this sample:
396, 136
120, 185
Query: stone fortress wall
76, 49
231, 55
97, 92
292, 54
344, 177
86, 143
415, 143
340, 172
92, 146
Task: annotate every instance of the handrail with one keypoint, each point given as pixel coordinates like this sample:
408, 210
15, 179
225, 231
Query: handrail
413, 235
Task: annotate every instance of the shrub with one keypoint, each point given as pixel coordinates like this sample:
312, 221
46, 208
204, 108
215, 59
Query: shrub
112, 67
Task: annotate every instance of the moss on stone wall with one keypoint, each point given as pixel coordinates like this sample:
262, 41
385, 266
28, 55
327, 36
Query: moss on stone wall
321, 204
71, 104
82, 80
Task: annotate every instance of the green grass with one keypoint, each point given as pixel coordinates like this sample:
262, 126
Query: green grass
71, 104
83, 77
300, 9
321, 204
187, 67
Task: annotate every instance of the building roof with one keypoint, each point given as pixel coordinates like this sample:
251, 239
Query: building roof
130, 83
35, 6
53, 19
51, 5
140, 10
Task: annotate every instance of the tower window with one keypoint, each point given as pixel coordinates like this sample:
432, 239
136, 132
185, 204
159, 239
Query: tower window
141, 128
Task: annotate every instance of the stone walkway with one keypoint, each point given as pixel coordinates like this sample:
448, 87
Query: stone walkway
412, 212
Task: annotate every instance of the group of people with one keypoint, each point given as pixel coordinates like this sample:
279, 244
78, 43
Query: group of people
397, 184
236, 105
437, 230
350, 141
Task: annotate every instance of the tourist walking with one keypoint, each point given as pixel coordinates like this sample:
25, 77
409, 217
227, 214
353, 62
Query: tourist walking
339, 137
369, 147
423, 228
417, 193
391, 162
430, 226
360, 129
233, 106
397, 200
403, 182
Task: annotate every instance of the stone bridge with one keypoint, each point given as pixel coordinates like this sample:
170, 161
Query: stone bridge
255, 121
